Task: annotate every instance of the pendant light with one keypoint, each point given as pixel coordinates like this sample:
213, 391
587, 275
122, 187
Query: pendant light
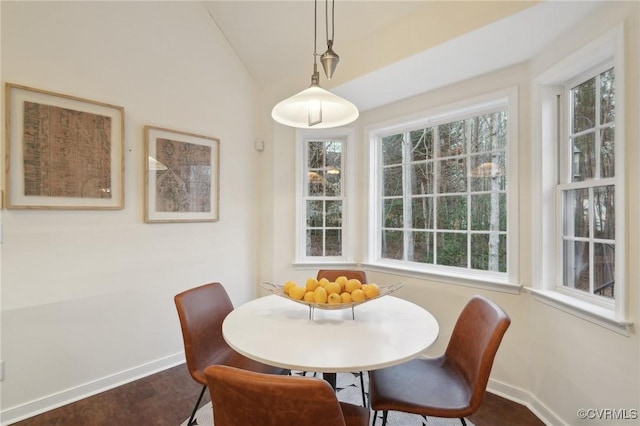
315, 107
329, 59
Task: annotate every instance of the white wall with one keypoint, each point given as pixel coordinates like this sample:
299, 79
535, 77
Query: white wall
550, 360
87, 296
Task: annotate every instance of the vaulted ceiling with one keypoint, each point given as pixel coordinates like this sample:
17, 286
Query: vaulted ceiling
403, 47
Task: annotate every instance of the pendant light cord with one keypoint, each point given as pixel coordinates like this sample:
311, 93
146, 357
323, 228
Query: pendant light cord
315, 29
333, 19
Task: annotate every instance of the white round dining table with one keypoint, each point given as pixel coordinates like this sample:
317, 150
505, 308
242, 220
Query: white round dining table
382, 332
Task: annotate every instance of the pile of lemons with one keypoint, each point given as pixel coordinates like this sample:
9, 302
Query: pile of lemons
342, 290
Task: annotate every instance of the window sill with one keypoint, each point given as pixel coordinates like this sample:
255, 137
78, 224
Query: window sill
325, 265
587, 311
448, 278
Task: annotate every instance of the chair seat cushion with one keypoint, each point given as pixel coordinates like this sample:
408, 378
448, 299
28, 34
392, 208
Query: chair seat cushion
428, 387
232, 358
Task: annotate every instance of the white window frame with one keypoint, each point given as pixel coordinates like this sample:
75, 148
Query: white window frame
347, 136
548, 132
507, 282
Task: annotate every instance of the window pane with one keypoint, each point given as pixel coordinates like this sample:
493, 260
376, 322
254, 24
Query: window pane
315, 213
452, 249
421, 248
452, 139
333, 185
588, 214
393, 213
607, 153
603, 269
488, 172
607, 96
392, 150
392, 245
392, 181
316, 154
452, 212
489, 252
422, 178
333, 243
333, 155
577, 213
453, 176
576, 271
422, 213
488, 212
489, 132
334, 214
429, 179
317, 184
584, 106
324, 179
314, 242
604, 225
421, 144
584, 157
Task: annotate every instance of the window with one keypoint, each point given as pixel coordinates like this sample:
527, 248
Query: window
579, 235
587, 187
442, 193
323, 220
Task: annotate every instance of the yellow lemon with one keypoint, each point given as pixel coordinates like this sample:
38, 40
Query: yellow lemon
288, 285
312, 284
334, 299
332, 288
323, 282
308, 297
372, 291
320, 295
346, 297
352, 285
342, 280
297, 292
358, 295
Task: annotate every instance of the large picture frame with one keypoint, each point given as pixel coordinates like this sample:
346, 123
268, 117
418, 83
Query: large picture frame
182, 172
62, 152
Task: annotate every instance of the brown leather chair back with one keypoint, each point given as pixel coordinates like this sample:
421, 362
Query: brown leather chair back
242, 397
474, 342
332, 274
201, 311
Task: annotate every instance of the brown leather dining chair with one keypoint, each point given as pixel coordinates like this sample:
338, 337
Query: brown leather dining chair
451, 385
243, 397
201, 311
332, 275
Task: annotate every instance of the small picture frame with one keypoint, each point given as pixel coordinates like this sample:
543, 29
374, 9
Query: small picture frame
182, 172
62, 152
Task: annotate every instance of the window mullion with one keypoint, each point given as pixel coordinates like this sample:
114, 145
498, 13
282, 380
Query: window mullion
407, 196
591, 242
436, 185
468, 186
598, 127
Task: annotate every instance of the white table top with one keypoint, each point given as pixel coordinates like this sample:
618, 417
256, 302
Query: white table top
276, 331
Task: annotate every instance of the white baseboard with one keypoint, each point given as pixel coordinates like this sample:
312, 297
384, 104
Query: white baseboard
525, 398
33, 408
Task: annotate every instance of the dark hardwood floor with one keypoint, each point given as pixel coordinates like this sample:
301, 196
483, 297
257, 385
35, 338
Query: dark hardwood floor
167, 397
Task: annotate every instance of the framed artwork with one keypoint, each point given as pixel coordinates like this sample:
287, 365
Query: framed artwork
182, 176
62, 152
